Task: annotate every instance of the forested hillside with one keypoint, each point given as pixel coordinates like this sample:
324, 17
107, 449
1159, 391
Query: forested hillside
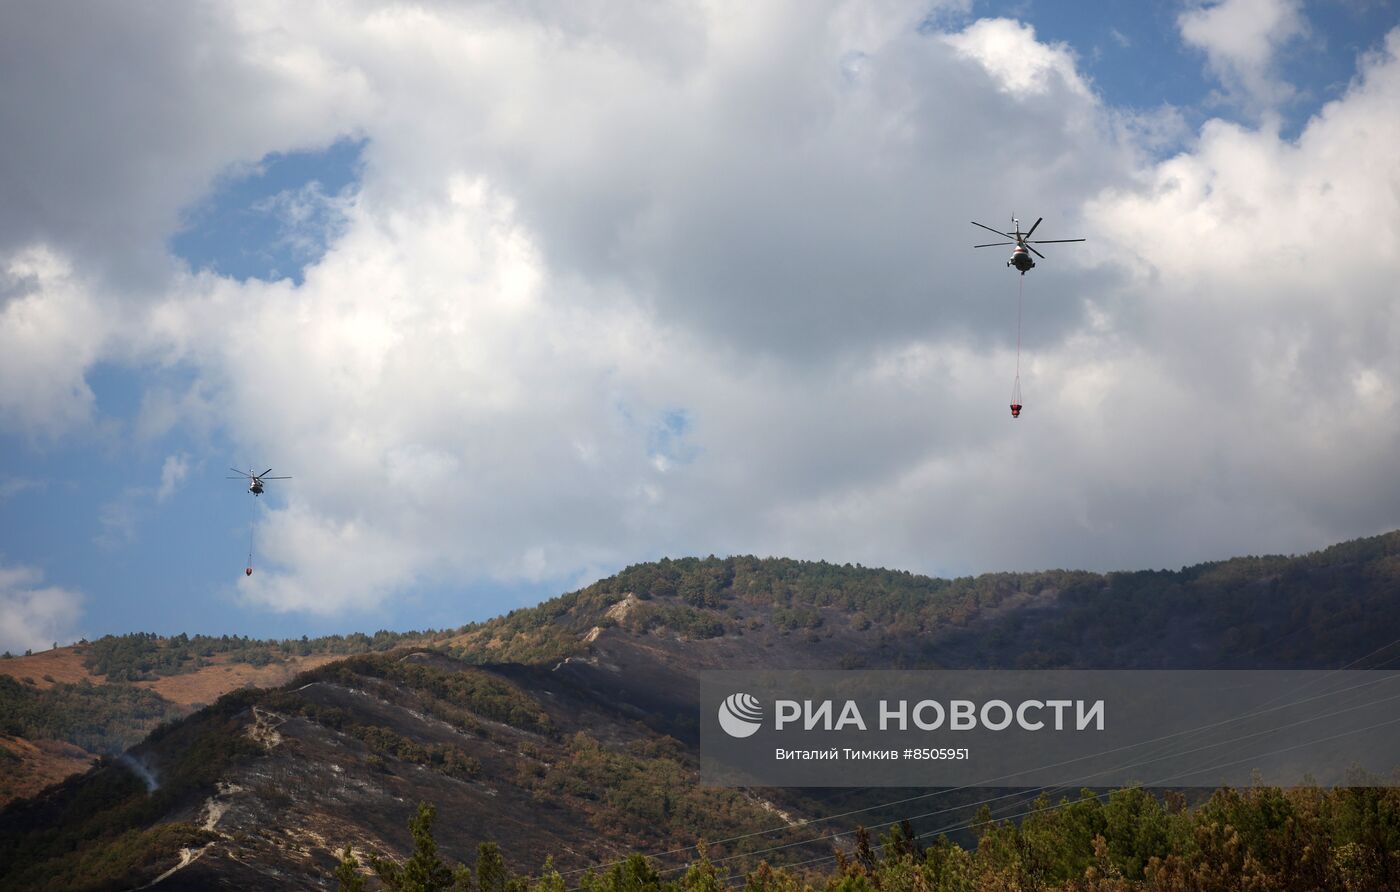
1305, 839
570, 729
61, 708
1273, 611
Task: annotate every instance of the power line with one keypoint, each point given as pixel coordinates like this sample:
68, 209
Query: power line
991, 781
1099, 796
1078, 780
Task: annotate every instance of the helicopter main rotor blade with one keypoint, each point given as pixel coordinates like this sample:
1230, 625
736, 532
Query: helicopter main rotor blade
1035, 252
1033, 226
264, 473
239, 473
1055, 241
994, 245
274, 478
990, 229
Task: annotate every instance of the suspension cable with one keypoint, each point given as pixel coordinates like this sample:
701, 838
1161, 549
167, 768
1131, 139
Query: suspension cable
252, 523
1020, 293
1016, 386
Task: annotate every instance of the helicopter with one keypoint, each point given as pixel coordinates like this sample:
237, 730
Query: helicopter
1021, 256
255, 481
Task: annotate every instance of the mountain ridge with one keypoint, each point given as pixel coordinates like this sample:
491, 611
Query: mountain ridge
570, 727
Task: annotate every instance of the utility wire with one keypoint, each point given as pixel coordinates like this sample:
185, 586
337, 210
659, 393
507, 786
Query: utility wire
1099, 796
991, 781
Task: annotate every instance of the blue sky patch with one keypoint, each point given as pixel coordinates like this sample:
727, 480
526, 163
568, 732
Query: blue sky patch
272, 222
1136, 58
666, 442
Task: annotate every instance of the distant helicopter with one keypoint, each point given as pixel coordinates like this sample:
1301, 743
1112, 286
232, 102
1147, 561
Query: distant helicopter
255, 486
1019, 257
255, 481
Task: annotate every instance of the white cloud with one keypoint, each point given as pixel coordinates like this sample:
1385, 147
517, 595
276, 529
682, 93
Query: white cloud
1019, 63
33, 616
116, 118
336, 564
1241, 39
571, 229
51, 332
172, 475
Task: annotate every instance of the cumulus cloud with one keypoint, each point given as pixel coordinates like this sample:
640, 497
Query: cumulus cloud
674, 278
759, 178
1019, 63
172, 475
51, 332
1241, 39
116, 119
34, 616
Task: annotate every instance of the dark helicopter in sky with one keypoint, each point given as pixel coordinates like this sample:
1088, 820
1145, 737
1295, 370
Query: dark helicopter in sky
255, 486
1021, 256
255, 481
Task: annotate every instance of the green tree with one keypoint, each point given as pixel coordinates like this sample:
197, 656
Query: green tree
701, 875
765, 879
347, 872
491, 873
549, 879
424, 871
633, 874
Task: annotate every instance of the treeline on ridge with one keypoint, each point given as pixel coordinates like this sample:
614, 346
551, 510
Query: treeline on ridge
1302, 609
142, 656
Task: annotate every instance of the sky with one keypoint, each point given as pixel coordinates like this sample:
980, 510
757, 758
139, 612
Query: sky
521, 293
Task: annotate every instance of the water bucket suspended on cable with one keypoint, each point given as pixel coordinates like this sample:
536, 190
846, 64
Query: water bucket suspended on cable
248, 570
1016, 388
